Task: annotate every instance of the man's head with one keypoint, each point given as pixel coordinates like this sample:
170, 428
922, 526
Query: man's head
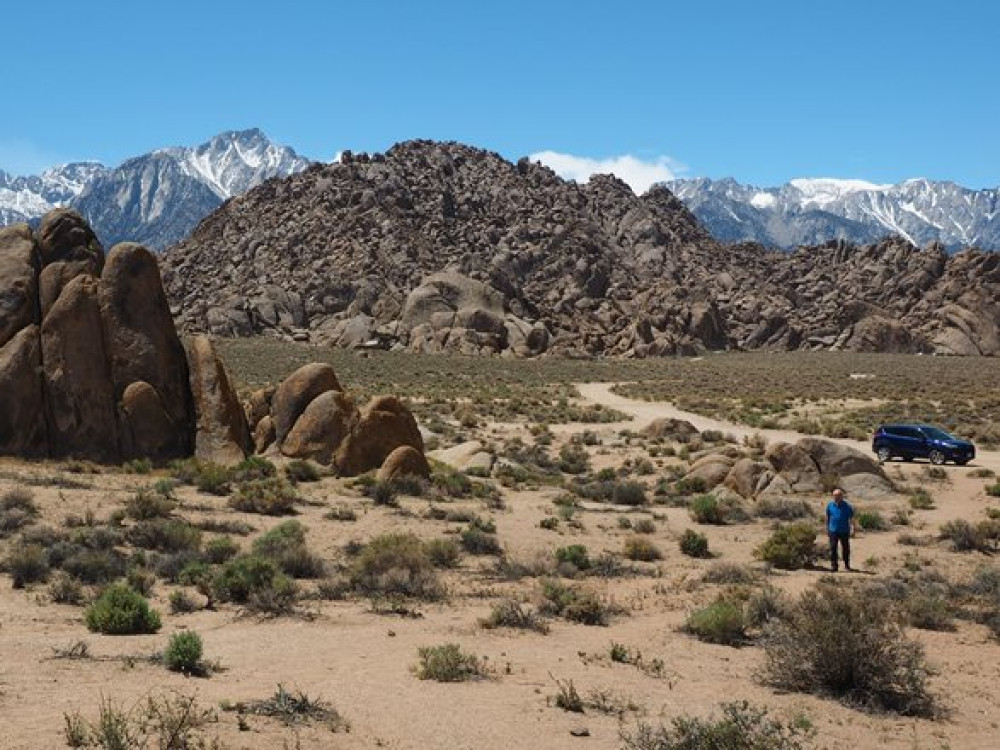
838, 495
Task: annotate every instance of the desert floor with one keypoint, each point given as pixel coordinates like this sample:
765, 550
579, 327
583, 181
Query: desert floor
361, 660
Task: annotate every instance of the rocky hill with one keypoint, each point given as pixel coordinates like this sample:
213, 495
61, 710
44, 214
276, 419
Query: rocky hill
810, 211
440, 246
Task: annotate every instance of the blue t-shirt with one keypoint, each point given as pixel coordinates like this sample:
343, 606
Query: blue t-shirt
838, 517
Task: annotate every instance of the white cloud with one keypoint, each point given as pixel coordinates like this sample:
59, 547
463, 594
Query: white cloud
639, 174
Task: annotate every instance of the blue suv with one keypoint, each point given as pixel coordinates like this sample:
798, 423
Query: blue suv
909, 441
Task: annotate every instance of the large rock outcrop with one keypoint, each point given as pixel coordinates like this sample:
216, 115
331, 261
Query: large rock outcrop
221, 434
444, 247
90, 362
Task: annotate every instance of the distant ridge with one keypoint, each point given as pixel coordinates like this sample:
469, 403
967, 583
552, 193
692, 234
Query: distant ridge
813, 211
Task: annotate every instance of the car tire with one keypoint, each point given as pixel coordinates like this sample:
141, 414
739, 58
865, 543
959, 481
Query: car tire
962, 462
937, 458
884, 454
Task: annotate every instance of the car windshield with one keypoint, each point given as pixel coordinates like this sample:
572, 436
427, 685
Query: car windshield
936, 434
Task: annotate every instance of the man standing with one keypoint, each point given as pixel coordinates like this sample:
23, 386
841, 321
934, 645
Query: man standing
840, 526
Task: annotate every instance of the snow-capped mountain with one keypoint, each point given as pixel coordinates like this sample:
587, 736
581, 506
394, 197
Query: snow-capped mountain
157, 198
26, 198
812, 211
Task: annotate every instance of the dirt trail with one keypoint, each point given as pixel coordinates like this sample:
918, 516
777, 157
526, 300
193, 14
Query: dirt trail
644, 412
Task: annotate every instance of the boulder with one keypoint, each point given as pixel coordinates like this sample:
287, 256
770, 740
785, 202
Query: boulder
145, 428
384, 425
678, 430
296, 392
441, 296
22, 418
221, 432
405, 461
468, 456
65, 235
263, 434
258, 405
866, 487
321, 428
712, 469
745, 477
80, 400
839, 460
795, 465
18, 280
57, 275
141, 340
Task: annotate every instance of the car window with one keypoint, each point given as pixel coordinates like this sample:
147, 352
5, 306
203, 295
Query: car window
936, 434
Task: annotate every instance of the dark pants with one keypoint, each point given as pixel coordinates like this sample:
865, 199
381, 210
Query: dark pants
845, 546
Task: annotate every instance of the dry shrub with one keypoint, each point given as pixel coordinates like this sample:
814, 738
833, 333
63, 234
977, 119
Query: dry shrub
396, 565
840, 642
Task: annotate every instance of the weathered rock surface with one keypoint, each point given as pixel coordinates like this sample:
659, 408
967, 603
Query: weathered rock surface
146, 430
795, 466
297, 391
711, 469
319, 431
679, 430
439, 246
140, 338
79, 394
470, 456
404, 461
221, 434
22, 418
18, 280
384, 425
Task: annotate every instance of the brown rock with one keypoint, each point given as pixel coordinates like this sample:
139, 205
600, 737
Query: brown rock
65, 235
18, 280
296, 391
672, 429
221, 433
146, 429
258, 405
80, 402
795, 465
22, 416
56, 276
405, 461
840, 460
321, 428
385, 424
712, 470
263, 434
745, 476
141, 340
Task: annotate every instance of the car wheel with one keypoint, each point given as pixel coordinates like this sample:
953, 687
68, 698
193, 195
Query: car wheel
884, 454
937, 458
962, 461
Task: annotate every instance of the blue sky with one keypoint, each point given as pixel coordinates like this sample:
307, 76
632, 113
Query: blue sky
761, 91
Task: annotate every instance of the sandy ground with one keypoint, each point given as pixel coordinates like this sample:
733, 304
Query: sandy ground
361, 662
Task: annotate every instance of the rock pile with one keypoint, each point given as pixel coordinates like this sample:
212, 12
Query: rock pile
787, 469
90, 362
309, 416
443, 247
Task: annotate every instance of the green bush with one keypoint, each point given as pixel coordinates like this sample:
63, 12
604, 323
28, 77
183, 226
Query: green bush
27, 563
66, 590
183, 653
122, 611
783, 509
302, 471
253, 468
165, 535
707, 509
573, 604
629, 492
271, 496
575, 555
244, 576
147, 503
221, 549
872, 520
964, 537
395, 565
789, 547
206, 476
510, 614
93, 566
475, 541
847, 644
993, 490
573, 459
640, 549
138, 466
694, 544
443, 553
644, 526
17, 510
741, 727
181, 602
448, 663
286, 545
722, 621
